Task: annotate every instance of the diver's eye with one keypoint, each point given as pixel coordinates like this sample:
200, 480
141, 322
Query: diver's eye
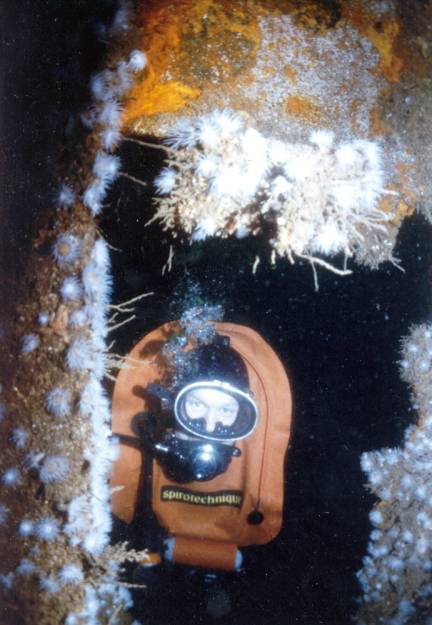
227, 410
194, 403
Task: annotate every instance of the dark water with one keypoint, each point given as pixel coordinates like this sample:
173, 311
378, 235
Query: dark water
340, 345
48, 51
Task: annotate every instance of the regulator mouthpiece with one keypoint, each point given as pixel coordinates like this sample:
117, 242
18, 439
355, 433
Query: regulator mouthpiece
189, 461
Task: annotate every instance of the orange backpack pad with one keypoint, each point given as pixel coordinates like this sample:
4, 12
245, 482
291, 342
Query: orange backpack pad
209, 520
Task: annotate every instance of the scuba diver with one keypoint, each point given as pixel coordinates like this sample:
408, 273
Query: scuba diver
212, 410
203, 429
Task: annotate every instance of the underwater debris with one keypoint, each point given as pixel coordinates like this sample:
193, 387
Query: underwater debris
317, 200
395, 577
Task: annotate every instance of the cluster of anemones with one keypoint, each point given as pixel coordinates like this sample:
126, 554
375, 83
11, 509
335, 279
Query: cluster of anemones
320, 198
81, 525
395, 577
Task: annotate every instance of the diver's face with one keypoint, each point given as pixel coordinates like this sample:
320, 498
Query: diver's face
212, 406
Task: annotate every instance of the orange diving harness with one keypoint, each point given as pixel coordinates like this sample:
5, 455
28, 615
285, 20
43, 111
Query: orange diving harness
242, 506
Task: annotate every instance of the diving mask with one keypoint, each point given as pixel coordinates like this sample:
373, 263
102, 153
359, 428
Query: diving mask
215, 411
211, 416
